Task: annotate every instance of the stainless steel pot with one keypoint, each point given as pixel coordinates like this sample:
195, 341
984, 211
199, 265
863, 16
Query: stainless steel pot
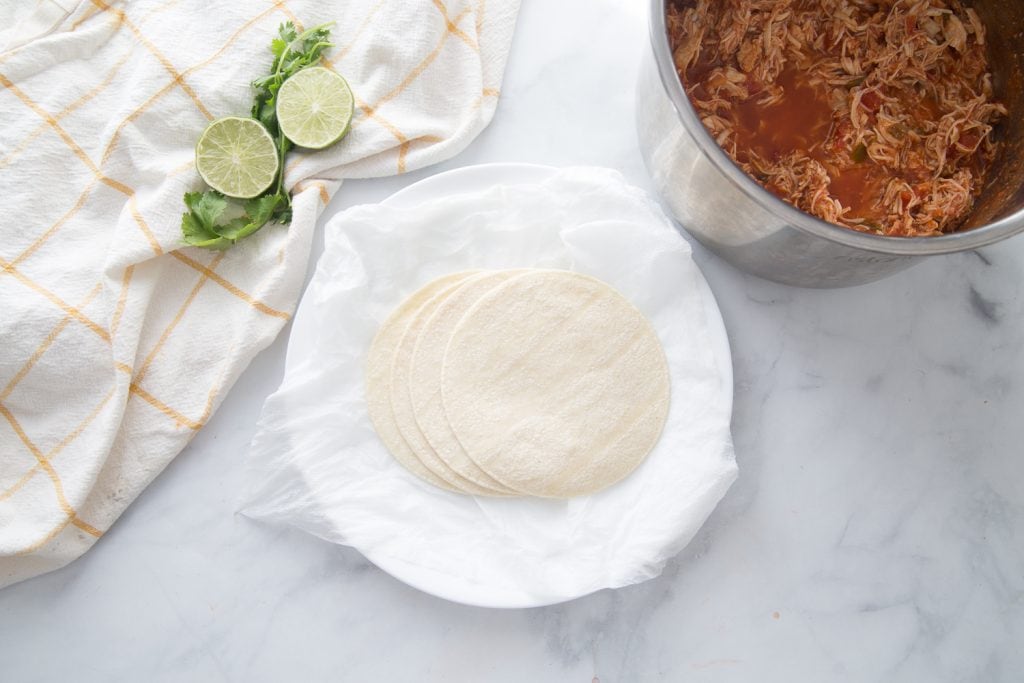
754, 230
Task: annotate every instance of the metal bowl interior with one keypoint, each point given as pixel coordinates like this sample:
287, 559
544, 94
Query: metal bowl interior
999, 212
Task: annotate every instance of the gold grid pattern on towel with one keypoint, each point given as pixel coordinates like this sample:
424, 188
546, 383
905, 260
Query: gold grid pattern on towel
206, 272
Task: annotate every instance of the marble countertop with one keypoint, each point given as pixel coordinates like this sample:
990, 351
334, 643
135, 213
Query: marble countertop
876, 532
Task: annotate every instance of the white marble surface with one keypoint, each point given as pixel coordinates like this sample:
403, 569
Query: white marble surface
876, 532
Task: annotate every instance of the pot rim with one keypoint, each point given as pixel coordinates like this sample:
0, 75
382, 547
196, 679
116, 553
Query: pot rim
910, 246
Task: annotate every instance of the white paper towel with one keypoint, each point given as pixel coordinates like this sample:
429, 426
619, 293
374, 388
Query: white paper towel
317, 464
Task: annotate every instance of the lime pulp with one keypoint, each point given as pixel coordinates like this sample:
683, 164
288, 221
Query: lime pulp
314, 108
237, 157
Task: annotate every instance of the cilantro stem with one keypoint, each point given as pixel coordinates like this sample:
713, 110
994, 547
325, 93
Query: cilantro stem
282, 149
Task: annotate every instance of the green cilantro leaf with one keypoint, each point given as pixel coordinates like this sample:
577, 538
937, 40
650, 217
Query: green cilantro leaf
232, 229
277, 46
257, 212
198, 235
206, 207
261, 209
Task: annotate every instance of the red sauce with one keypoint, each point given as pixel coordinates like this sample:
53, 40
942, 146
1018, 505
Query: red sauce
803, 121
798, 123
860, 188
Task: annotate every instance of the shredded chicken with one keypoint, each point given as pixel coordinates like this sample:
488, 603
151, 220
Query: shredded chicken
876, 115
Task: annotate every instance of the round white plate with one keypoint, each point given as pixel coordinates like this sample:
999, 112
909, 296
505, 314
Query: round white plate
306, 327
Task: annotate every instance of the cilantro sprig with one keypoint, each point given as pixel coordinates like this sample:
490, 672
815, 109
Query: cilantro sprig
214, 221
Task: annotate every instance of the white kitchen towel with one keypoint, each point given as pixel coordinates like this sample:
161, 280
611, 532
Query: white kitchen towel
117, 343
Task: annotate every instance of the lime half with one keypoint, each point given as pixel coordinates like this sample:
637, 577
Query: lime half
237, 157
314, 107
